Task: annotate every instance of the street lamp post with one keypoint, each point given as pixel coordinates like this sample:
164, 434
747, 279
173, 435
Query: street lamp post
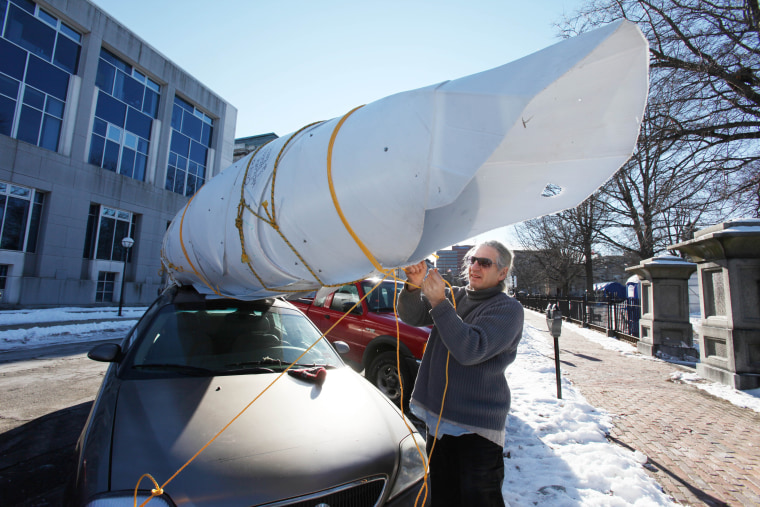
127, 243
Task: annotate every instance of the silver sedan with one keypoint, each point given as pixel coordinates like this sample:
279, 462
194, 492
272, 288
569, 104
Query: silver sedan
319, 435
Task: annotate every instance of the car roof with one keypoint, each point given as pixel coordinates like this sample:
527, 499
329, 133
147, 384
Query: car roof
189, 294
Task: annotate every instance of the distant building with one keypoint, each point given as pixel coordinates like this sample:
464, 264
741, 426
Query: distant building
101, 137
449, 262
245, 145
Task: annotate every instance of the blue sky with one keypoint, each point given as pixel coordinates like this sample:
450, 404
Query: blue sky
286, 63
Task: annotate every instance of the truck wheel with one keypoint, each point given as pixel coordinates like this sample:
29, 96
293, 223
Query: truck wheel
383, 374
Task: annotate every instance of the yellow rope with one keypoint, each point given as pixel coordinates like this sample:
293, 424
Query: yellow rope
336, 204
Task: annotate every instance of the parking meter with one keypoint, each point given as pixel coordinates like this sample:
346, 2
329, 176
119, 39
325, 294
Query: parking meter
554, 323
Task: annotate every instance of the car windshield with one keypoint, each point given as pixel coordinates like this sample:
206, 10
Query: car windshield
380, 299
227, 338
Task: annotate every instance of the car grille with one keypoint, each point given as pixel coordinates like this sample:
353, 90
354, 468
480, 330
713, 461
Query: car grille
362, 493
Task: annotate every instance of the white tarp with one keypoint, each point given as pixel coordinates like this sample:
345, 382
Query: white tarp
417, 171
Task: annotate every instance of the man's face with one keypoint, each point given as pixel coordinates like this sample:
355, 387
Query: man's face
481, 277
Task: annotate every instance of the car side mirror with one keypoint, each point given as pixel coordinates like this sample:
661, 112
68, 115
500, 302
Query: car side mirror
342, 347
106, 353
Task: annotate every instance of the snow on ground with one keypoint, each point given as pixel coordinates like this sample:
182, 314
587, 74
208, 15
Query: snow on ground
555, 452
39, 336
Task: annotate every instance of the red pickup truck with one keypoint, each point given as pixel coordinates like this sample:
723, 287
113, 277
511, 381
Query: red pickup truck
370, 332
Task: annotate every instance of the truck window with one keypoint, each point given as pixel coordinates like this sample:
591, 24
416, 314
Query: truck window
345, 298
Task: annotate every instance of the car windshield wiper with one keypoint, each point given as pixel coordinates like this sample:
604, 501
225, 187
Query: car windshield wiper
182, 368
268, 361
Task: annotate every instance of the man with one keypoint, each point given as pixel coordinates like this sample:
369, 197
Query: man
481, 334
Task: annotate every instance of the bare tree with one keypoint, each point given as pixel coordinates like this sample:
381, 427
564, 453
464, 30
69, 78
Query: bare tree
554, 249
706, 51
697, 157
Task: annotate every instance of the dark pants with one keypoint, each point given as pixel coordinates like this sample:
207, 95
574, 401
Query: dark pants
467, 470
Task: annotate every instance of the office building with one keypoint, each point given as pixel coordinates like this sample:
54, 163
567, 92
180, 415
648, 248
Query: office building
101, 138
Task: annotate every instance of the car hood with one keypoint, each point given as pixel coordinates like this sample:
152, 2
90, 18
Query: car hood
297, 438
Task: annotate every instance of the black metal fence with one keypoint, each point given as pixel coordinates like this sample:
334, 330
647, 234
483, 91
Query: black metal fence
616, 317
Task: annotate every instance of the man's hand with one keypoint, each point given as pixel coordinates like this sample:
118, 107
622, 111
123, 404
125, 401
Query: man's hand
415, 274
433, 287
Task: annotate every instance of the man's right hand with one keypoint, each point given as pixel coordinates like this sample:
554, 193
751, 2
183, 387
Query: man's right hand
415, 274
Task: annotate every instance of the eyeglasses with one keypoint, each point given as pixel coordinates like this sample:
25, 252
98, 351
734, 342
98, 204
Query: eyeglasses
484, 262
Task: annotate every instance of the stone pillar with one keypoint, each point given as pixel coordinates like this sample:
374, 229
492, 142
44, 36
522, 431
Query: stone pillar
728, 260
664, 326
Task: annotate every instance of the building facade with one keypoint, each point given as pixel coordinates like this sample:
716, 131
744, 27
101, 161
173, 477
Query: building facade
101, 138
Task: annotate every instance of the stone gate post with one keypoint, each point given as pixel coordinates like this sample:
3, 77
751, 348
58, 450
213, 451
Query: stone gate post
728, 260
664, 326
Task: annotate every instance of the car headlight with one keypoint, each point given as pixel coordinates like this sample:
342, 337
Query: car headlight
127, 499
413, 461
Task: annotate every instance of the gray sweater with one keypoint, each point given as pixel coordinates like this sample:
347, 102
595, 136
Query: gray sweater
482, 336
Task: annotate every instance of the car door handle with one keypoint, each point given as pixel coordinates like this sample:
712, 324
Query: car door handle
326, 316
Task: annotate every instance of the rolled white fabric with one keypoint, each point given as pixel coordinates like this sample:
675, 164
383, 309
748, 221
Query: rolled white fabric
416, 172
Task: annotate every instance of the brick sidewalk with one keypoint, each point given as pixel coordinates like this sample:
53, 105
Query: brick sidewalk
702, 450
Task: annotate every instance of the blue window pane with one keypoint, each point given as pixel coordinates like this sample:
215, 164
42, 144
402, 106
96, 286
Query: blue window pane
66, 54
182, 163
150, 104
142, 145
54, 107
110, 109
190, 188
191, 127
34, 98
3, 5
29, 125
48, 78
51, 130
14, 227
99, 127
8, 86
192, 168
179, 182
138, 123
76, 36
141, 162
184, 104
97, 145
7, 111
127, 162
172, 159
206, 135
30, 33
128, 90
111, 156
115, 61
180, 144
169, 179
48, 18
13, 61
104, 77
177, 113
198, 153
27, 5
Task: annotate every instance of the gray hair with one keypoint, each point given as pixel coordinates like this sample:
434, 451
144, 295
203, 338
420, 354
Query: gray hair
503, 260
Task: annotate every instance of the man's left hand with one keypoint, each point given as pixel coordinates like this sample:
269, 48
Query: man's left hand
433, 287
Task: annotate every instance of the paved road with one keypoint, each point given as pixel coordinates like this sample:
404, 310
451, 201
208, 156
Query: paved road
45, 398
702, 450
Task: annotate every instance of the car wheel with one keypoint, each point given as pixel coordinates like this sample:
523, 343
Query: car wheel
382, 372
